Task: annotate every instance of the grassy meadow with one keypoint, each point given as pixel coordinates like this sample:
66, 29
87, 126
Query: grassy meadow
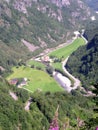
37, 79
66, 51
36, 64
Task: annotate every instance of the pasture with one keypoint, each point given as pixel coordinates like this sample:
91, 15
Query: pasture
66, 51
36, 64
37, 79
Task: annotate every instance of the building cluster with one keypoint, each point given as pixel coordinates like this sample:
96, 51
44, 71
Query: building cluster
18, 83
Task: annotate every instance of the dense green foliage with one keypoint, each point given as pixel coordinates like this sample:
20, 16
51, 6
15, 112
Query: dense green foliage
12, 113
84, 63
92, 122
42, 108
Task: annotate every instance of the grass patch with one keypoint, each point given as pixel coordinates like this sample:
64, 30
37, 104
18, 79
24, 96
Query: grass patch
58, 66
36, 64
37, 79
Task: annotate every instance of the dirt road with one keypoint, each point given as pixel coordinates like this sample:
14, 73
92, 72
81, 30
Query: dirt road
76, 81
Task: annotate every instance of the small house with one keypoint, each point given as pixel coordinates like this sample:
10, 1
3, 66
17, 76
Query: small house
45, 58
13, 81
23, 83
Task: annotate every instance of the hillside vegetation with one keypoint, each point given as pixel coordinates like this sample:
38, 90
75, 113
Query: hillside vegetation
83, 63
14, 116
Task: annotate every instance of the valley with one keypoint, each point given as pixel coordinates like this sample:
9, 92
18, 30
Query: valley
34, 26
35, 71
48, 70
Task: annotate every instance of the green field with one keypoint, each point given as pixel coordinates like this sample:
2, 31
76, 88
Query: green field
37, 79
36, 64
66, 51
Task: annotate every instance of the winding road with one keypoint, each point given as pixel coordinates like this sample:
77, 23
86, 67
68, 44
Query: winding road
77, 82
13, 95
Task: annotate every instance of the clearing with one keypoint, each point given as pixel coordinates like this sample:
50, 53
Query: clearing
36, 64
36, 79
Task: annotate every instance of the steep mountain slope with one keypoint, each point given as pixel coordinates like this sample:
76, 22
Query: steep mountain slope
13, 116
84, 63
34, 25
12, 113
38, 21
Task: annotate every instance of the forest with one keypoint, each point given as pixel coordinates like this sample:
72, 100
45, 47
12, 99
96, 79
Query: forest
13, 116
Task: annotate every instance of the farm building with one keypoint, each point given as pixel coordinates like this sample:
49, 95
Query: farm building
13, 81
23, 83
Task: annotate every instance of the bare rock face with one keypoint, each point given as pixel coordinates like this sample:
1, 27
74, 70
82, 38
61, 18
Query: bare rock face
75, 7
67, 3
21, 5
61, 3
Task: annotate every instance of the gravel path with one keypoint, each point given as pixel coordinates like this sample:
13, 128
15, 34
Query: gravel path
27, 106
13, 95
